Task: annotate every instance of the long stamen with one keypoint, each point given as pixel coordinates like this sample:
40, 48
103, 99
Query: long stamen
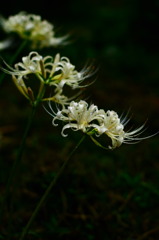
42, 69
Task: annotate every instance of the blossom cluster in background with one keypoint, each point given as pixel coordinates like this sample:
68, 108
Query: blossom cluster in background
31, 27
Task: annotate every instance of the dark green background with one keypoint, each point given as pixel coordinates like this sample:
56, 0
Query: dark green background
103, 195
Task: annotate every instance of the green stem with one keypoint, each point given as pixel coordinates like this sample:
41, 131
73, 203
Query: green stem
13, 58
18, 159
43, 198
22, 46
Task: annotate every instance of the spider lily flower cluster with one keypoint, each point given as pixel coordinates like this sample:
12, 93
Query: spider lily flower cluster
95, 122
56, 72
31, 27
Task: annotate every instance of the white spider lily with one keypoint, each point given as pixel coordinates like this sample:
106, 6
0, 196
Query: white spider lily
31, 27
30, 64
54, 72
94, 121
115, 129
79, 116
69, 75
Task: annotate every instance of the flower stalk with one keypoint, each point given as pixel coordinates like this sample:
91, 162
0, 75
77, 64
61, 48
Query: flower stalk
46, 193
16, 164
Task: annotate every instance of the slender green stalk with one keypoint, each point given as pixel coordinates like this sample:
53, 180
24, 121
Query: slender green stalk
13, 58
22, 46
43, 198
22, 146
18, 159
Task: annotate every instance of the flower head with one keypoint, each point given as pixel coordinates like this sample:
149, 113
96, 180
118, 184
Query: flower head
67, 74
115, 129
32, 27
79, 116
30, 64
94, 121
55, 72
